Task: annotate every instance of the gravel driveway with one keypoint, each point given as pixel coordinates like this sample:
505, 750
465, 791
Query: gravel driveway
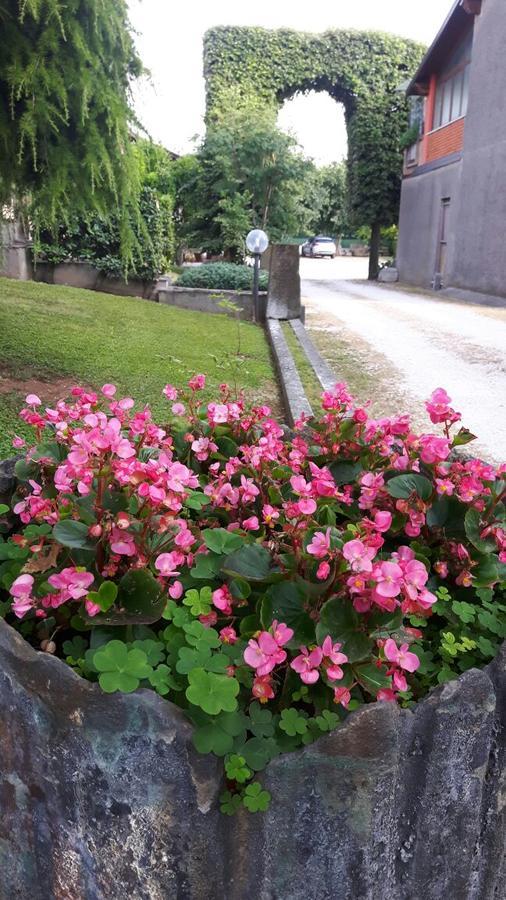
395, 347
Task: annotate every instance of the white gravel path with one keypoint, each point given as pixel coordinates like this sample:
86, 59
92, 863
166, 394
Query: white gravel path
429, 344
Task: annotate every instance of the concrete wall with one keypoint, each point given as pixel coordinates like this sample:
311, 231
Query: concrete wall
204, 300
419, 222
480, 245
14, 253
477, 186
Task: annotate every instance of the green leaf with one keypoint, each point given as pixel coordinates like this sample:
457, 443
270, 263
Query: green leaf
287, 605
219, 734
261, 723
473, 528
371, 678
163, 681
403, 486
462, 437
197, 500
4, 509
140, 600
199, 601
230, 803
346, 472
207, 566
70, 533
327, 721
236, 769
487, 571
219, 540
105, 596
154, 650
252, 562
292, 722
465, 611
258, 752
120, 669
438, 513
255, 799
212, 693
342, 623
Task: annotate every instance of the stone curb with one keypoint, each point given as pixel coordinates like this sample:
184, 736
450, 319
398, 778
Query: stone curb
321, 368
294, 397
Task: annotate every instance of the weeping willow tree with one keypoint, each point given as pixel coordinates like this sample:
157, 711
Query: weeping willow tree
66, 69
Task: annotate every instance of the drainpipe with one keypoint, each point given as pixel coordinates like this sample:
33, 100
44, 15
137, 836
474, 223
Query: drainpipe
429, 118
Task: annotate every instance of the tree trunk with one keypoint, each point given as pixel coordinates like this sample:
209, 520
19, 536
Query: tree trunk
374, 251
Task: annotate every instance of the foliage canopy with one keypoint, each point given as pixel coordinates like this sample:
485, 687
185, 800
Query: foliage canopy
65, 114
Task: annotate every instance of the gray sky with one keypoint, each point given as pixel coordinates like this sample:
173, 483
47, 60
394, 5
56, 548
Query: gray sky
169, 39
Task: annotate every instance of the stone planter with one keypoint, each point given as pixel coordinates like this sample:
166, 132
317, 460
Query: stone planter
102, 796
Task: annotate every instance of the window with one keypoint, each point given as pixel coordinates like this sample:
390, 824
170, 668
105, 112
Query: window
453, 86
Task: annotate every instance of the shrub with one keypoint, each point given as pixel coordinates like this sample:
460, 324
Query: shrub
222, 277
266, 583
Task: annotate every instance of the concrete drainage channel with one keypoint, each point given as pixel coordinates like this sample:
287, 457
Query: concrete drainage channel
294, 397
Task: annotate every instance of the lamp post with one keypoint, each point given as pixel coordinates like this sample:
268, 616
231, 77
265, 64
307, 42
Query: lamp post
257, 243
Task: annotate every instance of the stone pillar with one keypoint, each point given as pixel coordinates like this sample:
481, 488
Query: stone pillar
14, 254
283, 298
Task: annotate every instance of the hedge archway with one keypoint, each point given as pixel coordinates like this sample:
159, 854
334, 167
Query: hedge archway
362, 70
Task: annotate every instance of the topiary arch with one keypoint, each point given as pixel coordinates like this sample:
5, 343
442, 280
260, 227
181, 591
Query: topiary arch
362, 70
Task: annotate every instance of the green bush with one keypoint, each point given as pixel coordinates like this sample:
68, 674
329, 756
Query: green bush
222, 277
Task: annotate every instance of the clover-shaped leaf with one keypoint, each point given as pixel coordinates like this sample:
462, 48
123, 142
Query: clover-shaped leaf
230, 803
327, 721
197, 634
213, 693
292, 722
75, 649
236, 769
154, 650
199, 601
255, 799
190, 658
261, 723
218, 735
120, 669
163, 681
177, 614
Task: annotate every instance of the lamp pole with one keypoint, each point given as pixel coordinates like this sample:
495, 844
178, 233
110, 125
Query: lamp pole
257, 243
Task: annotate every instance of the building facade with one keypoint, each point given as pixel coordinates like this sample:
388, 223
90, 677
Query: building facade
453, 204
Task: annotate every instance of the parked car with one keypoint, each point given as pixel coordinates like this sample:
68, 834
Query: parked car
320, 246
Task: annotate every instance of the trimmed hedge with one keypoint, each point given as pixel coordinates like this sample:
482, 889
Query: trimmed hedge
221, 277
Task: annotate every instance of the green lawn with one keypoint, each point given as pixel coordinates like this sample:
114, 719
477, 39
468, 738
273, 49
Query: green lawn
49, 332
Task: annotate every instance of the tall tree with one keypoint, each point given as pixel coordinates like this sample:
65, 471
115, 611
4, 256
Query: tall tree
251, 175
324, 203
66, 67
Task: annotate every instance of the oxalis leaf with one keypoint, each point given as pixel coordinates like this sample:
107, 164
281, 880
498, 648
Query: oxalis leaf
120, 669
212, 693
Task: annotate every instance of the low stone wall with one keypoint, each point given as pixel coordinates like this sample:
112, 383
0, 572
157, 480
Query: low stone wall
204, 300
83, 275
104, 796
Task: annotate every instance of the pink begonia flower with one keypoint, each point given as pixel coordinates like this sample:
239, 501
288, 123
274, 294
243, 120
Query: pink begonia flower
306, 506
359, 556
281, 633
178, 409
203, 447
444, 486
222, 599
401, 656
434, 449
306, 664
21, 590
197, 383
251, 524
320, 544
323, 571
264, 654
399, 681
262, 688
176, 590
415, 577
386, 694
109, 390
388, 577
184, 539
441, 567
342, 696
439, 408
92, 608
33, 400
217, 413
71, 583
331, 652
382, 520
170, 392
166, 565
209, 619
18, 442
269, 514
228, 635
426, 599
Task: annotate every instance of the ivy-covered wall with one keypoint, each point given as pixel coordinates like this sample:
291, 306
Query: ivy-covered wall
362, 70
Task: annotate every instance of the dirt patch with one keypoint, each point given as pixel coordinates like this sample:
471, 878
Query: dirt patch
49, 388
